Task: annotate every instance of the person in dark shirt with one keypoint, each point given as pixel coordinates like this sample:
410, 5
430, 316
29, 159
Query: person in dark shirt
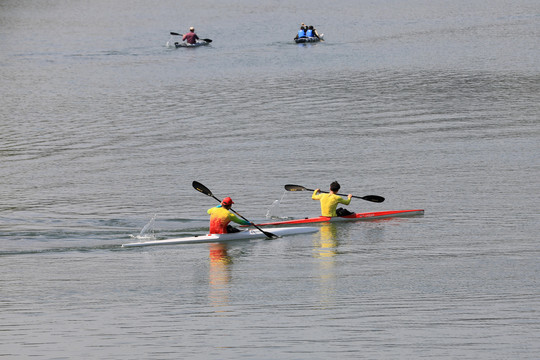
191, 37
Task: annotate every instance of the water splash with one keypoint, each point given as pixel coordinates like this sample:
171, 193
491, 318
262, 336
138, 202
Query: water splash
273, 211
149, 227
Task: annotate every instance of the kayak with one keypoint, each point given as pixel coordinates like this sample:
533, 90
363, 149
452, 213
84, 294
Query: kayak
213, 238
353, 217
186, 45
177, 44
308, 39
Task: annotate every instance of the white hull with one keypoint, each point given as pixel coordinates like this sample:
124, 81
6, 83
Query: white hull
212, 238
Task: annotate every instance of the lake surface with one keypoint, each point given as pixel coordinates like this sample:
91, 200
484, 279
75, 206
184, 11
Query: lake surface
433, 105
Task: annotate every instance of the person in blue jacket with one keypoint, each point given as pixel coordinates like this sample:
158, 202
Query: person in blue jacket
311, 32
301, 32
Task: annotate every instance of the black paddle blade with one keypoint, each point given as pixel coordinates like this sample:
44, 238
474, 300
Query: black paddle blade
208, 40
290, 187
373, 198
177, 34
201, 188
269, 235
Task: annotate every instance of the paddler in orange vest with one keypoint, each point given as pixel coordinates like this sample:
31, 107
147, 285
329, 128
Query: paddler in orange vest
330, 201
220, 217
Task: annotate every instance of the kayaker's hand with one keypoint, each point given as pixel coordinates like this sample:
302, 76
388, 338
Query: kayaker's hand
317, 190
349, 196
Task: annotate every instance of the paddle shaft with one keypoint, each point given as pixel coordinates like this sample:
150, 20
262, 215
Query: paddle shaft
372, 198
327, 192
266, 233
177, 34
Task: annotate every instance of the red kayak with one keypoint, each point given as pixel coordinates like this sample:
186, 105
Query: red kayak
353, 217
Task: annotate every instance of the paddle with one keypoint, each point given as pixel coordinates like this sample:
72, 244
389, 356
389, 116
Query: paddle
203, 189
372, 198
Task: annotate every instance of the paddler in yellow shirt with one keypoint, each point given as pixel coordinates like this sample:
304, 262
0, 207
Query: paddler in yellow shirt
330, 201
220, 217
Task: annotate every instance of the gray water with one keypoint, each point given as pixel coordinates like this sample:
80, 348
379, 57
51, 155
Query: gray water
432, 104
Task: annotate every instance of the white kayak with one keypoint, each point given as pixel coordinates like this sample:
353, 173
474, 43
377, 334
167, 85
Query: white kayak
241, 235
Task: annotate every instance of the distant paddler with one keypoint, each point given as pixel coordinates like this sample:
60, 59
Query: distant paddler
312, 32
301, 32
190, 37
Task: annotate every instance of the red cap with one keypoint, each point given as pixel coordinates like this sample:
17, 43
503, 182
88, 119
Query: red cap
227, 201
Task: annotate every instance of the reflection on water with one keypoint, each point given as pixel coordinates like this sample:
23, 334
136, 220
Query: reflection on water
325, 249
326, 245
219, 275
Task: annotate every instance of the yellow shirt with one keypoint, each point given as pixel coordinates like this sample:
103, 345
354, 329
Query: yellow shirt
329, 202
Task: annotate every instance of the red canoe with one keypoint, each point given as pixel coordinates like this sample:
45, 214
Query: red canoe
354, 217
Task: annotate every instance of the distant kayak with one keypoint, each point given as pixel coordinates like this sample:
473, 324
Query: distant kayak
180, 44
309, 39
186, 45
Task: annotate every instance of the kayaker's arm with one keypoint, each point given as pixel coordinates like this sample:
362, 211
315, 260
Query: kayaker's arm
345, 202
237, 220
